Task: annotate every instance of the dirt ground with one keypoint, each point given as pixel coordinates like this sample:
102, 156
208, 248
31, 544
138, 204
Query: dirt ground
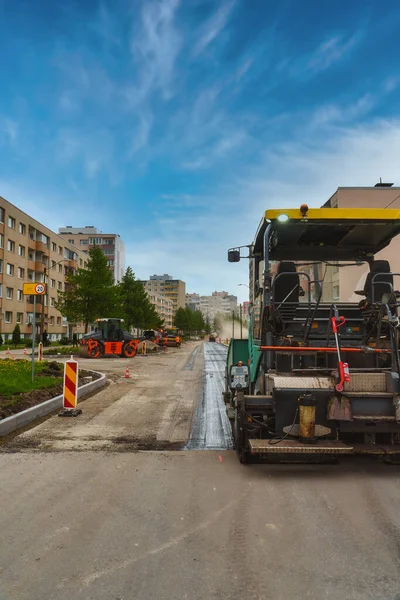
153, 409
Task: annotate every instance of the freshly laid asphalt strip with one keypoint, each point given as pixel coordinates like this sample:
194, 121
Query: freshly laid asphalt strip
211, 429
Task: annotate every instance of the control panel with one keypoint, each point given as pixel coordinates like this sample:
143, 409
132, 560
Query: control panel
239, 378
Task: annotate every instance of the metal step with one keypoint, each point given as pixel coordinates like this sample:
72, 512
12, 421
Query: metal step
376, 449
366, 382
368, 394
295, 447
373, 418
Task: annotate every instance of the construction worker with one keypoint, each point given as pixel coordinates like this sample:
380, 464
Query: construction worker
165, 343
178, 341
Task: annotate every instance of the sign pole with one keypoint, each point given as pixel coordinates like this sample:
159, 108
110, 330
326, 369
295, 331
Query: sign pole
33, 337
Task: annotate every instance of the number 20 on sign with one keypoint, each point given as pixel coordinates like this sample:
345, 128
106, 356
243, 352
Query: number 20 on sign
70, 393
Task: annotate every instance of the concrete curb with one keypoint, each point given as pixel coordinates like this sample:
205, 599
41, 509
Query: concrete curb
25, 417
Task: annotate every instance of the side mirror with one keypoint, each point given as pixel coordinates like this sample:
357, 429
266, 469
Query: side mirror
233, 255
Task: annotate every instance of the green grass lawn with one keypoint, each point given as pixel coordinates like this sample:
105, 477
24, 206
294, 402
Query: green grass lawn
16, 376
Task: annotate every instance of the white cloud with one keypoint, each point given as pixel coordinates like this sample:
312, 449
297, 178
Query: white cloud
9, 130
332, 50
213, 27
194, 249
155, 47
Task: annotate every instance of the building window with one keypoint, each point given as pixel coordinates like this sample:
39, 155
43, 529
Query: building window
335, 292
10, 269
9, 293
11, 246
21, 273
58, 321
83, 242
52, 283
54, 247
60, 250
8, 316
30, 275
51, 320
2, 214
97, 241
108, 241
20, 317
71, 242
29, 317
1, 240
1, 266
21, 250
1, 290
20, 295
60, 268
22, 228
52, 300
11, 222
59, 285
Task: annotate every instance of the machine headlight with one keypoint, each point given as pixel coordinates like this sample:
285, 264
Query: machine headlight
283, 218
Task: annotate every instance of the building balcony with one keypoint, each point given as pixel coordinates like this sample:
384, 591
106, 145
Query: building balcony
39, 266
31, 265
72, 264
41, 247
31, 243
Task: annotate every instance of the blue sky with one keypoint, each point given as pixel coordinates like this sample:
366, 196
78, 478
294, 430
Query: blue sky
177, 123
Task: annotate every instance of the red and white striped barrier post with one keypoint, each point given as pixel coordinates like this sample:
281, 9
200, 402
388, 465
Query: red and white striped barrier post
70, 393
40, 352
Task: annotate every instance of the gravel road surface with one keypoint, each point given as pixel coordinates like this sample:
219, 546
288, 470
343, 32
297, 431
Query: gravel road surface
100, 524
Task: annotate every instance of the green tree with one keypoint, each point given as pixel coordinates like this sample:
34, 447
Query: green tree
90, 293
136, 308
16, 335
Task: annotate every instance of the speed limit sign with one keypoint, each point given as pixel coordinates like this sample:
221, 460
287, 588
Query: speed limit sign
34, 289
40, 288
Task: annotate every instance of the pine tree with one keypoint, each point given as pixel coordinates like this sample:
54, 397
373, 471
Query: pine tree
136, 308
90, 293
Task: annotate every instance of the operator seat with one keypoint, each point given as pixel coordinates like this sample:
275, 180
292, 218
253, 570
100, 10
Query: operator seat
381, 286
286, 290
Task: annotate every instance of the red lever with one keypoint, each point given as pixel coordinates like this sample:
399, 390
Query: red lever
336, 323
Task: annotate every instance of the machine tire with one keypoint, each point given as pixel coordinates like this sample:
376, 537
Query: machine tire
240, 438
130, 349
94, 350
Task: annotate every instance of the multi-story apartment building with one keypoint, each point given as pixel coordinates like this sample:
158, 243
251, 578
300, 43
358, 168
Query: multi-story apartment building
30, 252
174, 289
111, 244
163, 306
193, 301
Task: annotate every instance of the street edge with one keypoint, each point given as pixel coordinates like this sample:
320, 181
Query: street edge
13, 422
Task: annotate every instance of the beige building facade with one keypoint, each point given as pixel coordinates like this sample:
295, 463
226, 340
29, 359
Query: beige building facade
32, 253
163, 306
110, 244
165, 285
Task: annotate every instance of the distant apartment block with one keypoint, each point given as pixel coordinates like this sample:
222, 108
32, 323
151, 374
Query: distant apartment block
111, 245
210, 306
163, 306
165, 285
29, 253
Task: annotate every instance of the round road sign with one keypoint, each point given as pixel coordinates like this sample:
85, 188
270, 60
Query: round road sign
40, 288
